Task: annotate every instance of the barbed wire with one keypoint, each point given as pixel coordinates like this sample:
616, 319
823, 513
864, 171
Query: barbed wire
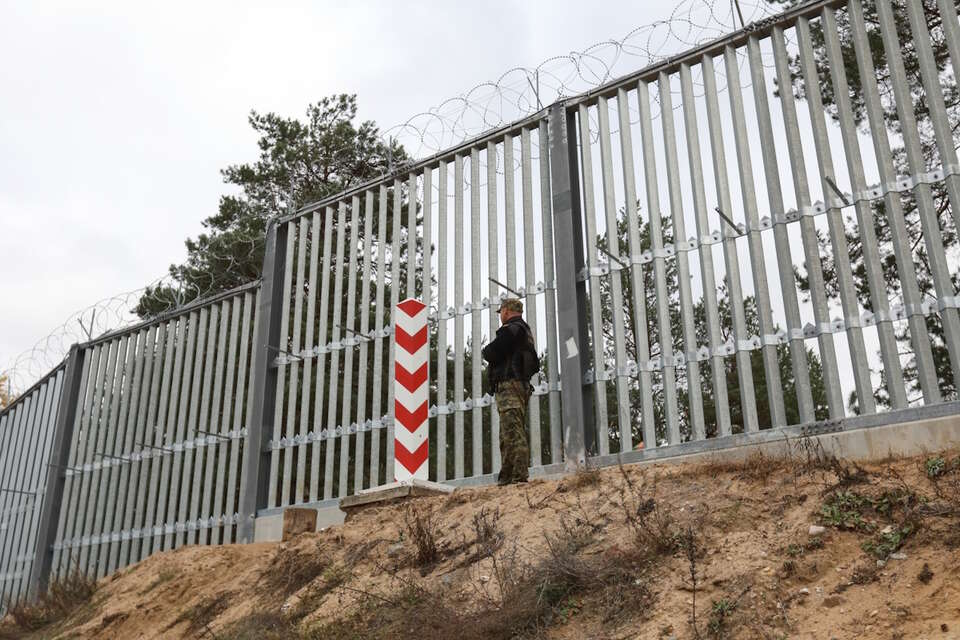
516, 94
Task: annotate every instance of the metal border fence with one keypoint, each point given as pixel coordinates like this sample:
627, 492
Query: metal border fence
713, 300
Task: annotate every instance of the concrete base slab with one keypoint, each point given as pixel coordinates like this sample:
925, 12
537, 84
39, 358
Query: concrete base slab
269, 527
392, 492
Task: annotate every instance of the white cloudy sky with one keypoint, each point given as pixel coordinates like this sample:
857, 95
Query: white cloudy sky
115, 118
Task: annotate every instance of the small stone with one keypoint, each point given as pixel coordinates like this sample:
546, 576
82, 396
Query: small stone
944, 627
394, 550
804, 591
484, 578
874, 613
817, 530
898, 556
881, 564
763, 554
887, 529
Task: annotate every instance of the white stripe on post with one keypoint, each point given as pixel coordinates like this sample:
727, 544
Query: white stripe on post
411, 385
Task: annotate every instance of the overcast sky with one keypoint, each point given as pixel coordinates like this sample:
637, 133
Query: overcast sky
116, 118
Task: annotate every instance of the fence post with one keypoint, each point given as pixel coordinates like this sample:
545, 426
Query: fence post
59, 459
256, 459
579, 428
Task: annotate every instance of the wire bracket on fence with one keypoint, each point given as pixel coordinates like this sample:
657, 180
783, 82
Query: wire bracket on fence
741, 230
833, 185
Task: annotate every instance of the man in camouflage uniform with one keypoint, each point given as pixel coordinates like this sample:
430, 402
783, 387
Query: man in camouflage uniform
512, 358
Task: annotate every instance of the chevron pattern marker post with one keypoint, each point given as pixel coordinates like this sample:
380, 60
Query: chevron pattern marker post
411, 391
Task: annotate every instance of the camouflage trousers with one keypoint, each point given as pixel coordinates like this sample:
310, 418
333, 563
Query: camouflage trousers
512, 398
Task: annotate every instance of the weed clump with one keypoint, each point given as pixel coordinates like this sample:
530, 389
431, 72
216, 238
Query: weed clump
844, 510
292, 569
423, 526
63, 596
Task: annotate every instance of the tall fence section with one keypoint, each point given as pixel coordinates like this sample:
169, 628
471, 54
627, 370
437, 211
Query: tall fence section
757, 234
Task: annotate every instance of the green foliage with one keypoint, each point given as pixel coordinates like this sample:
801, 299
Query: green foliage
720, 612
300, 162
885, 543
844, 510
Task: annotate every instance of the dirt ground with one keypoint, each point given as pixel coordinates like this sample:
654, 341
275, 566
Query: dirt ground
707, 550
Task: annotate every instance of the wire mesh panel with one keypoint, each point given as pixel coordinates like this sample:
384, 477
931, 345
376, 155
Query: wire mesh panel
771, 265
26, 435
154, 458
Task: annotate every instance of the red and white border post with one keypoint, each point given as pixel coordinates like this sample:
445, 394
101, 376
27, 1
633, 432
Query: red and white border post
411, 391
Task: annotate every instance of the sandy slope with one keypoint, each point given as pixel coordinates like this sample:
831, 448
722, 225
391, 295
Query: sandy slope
743, 518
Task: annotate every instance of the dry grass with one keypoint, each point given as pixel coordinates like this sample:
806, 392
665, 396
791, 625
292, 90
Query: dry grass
64, 595
423, 526
292, 569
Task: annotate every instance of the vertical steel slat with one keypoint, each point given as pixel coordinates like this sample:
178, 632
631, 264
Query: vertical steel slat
86, 443
118, 472
101, 417
214, 425
394, 299
12, 454
748, 403
203, 358
15, 480
530, 278
692, 128
808, 230
322, 340
893, 373
230, 499
195, 332
331, 439
788, 288
694, 390
290, 424
302, 493
345, 419
596, 317
107, 494
197, 439
493, 266
929, 219
250, 400
838, 239
378, 323
37, 436
616, 280
282, 369
68, 508
442, 252
670, 410
164, 432
458, 302
129, 413
359, 470
427, 276
951, 29
476, 294
411, 235
758, 265
550, 279
893, 207
147, 390
5, 453
930, 77
510, 203
221, 446
28, 455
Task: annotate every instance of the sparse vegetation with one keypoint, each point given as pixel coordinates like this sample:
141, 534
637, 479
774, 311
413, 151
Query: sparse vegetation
423, 525
292, 569
64, 596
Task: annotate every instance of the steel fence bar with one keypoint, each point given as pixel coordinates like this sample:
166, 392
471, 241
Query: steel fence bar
596, 302
283, 368
238, 413
929, 219
550, 280
427, 275
301, 491
378, 320
838, 240
788, 288
14, 481
476, 294
655, 230
289, 453
339, 275
322, 332
243, 532
493, 261
222, 447
107, 496
202, 363
458, 333
758, 265
411, 289
880, 305
214, 445
195, 333
154, 510
616, 279
197, 439
530, 278
510, 206
808, 230
442, 253
359, 470
351, 318
748, 403
394, 299
893, 207
694, 390
708, 278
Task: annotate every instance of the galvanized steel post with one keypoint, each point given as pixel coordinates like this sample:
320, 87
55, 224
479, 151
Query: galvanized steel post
579, 429
256, 459
59, 453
